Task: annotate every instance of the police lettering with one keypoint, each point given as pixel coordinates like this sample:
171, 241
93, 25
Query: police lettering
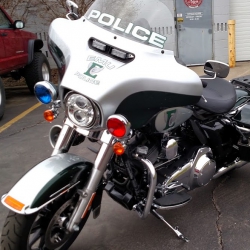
136, 31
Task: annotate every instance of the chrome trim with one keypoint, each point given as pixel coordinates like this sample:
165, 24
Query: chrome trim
38, 177
223, 170
170, 207
243, 129
124, 121
60, 190
50, 86
33, 210
152, 186
28, 210
64, 139
53, 131
97, 114
179, 172
188, 168
100, 165
206, 78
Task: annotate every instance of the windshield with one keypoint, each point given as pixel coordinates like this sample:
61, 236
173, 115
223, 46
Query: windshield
144, 21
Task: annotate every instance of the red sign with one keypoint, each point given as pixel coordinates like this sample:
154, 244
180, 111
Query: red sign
193, 3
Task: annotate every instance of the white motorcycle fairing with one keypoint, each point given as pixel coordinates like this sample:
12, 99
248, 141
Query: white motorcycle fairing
117, 86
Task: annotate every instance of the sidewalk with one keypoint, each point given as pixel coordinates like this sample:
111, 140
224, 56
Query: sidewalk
241, 69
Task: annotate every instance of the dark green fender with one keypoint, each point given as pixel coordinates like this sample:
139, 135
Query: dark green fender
47, 180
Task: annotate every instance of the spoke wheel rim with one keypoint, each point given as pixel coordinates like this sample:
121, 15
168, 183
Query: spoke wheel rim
46, 232
45, 72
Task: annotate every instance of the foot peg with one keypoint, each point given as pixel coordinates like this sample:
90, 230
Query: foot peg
176, 229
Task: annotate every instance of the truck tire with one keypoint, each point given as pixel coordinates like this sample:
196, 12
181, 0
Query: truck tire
38, 70
2, 99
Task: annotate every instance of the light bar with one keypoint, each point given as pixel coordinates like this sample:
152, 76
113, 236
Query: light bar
119, 53
98, 45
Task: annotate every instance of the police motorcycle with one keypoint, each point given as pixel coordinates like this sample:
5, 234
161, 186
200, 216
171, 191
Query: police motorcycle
162, 129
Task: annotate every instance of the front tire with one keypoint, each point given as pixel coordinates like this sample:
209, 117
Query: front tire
38, 70
2, 99
45, 230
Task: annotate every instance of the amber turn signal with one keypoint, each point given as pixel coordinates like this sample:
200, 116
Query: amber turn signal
118, 148
14, 203
49, 115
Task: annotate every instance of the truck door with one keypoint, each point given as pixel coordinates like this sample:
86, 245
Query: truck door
12, 45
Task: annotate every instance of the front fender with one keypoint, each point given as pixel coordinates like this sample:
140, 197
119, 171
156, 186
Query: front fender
33, 45
45, 182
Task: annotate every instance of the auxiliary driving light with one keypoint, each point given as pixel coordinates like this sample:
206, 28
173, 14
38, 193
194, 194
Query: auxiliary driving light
49, 115
118, 126
118, 148
45, 92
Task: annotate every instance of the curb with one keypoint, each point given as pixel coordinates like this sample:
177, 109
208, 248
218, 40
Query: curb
15, 87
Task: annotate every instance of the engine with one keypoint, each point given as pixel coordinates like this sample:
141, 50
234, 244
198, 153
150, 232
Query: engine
194, 168
178, 162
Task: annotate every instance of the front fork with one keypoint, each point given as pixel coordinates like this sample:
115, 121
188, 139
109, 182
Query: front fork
87, 194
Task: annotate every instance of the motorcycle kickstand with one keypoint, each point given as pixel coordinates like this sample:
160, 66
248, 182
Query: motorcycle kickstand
176, 229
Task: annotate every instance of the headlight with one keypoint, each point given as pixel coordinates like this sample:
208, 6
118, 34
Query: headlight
80, 110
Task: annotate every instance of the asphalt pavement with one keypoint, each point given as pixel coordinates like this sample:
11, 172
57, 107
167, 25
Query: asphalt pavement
218, 217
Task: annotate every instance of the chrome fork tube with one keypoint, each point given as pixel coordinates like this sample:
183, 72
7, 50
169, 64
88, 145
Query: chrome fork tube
64, 140
88, 192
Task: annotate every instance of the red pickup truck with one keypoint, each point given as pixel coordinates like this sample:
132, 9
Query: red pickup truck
20, 54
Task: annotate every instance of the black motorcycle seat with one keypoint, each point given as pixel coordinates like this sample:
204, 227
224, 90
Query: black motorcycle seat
219, 94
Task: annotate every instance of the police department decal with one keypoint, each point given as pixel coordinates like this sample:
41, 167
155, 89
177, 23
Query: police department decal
193, 3
137, 32
96, 65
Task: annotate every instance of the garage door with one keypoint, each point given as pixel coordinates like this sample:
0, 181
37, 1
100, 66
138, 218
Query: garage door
240, 11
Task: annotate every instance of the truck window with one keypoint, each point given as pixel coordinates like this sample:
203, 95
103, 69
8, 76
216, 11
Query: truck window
4, 21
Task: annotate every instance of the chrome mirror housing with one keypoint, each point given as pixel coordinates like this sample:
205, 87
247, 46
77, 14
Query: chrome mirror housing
216, 69
72, 10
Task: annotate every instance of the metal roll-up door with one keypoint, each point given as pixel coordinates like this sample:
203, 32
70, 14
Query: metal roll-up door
240, 12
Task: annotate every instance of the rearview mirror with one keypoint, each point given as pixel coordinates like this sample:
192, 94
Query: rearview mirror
72, 10
18, 24
216, 69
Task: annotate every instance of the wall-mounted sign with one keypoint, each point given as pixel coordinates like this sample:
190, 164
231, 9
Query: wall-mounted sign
194, 16
193, 3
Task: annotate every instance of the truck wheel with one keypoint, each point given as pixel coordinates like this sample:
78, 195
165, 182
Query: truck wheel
2, 99
38, 70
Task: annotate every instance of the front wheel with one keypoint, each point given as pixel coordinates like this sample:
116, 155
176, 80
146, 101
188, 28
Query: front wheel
45, 230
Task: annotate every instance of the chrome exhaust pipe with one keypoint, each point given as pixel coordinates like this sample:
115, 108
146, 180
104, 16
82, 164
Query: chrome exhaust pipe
54, 134
223, 170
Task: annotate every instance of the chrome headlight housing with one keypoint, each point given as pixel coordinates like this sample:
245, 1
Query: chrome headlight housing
81, 111
45, 92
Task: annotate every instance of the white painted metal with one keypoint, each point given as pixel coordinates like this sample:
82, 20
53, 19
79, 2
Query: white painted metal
240, 11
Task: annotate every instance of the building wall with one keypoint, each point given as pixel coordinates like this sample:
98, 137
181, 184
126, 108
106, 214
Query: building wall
220, 30
240, 12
